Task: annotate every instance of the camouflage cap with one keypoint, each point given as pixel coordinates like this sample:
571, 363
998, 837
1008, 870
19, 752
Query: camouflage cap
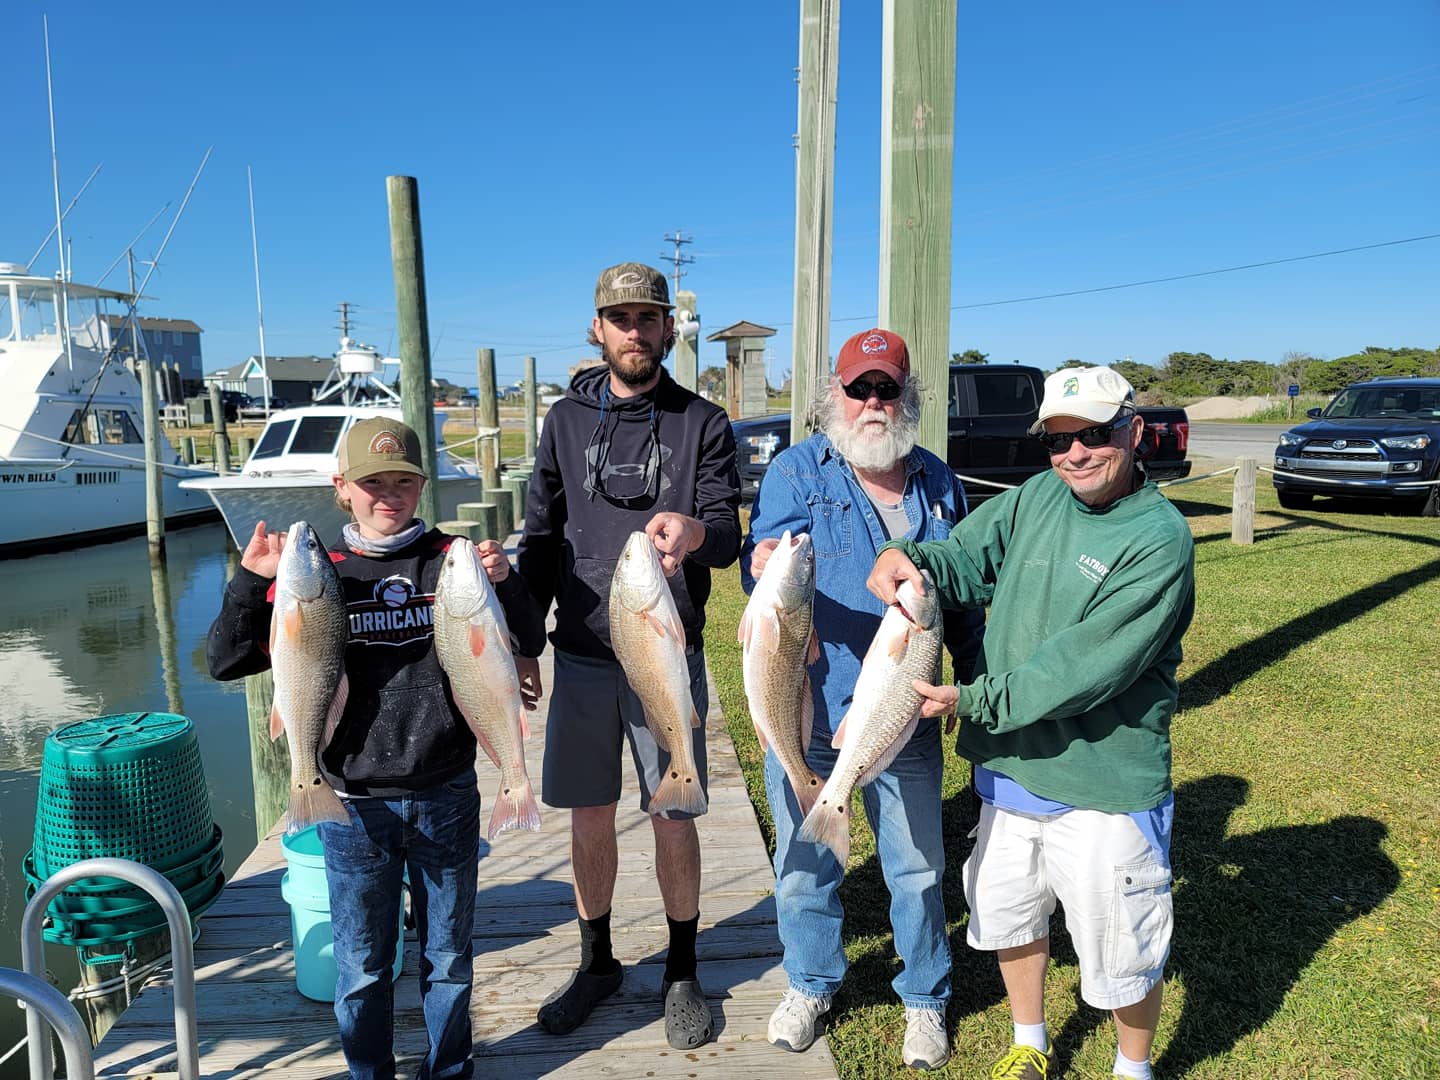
379, 444
631, 283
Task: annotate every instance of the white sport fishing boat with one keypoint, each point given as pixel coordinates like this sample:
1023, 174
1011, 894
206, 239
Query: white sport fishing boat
288, 475
72, 448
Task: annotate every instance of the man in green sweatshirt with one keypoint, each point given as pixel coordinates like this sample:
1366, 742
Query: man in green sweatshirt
1090, 577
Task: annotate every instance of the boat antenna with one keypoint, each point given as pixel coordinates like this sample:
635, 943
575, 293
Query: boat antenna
131, 246
259, 308
93, 173
59, 217
155, 262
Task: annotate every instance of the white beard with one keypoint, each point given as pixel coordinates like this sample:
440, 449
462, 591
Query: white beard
866, 444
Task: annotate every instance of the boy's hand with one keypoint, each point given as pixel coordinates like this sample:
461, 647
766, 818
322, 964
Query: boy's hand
262, 554
492, 558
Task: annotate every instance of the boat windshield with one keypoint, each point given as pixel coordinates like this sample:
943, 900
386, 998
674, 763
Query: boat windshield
272, 443
317, 435
101, 426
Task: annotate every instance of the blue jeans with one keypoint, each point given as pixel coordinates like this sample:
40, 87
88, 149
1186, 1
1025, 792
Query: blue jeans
436, 834
903, 808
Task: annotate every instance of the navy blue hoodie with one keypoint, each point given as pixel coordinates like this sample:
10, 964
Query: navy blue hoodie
593, 485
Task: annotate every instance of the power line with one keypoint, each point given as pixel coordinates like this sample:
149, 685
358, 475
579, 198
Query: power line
679, 239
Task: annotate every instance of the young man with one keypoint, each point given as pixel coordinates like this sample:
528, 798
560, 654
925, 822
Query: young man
855, 484
1089, 573
627, 449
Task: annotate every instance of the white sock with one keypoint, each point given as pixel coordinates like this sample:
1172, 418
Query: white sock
1140, 1070
1032, 1035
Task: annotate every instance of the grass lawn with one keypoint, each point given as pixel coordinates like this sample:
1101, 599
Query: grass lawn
1306, 847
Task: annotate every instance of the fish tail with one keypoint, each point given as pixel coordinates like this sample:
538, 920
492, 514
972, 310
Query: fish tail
679, 791
807, 791
828, 823
313, 802
515, 808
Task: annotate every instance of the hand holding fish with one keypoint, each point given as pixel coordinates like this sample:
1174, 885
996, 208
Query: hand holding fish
761, 555
938, 701
892, 567
527, 668
493, 560
674, 536
262, 554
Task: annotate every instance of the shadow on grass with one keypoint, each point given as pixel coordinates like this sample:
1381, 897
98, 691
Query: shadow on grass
1223, 674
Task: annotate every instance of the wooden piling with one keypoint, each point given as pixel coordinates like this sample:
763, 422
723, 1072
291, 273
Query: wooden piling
1242, 506
486, 517
488, 415
407, 257
188, 452
531, 401
520, 486
269, 758
243, 445
154, 477
222, 435
471, 530
504, 501
102, 1010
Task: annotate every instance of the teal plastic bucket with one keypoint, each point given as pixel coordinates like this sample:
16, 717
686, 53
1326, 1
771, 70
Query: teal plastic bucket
304, 889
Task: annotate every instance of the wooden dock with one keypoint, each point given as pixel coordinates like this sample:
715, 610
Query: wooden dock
252, 1019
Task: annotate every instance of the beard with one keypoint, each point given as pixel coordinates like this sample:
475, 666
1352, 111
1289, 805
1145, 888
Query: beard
635, 368
874, 440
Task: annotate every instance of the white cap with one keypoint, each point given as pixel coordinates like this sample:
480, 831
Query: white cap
1097, 394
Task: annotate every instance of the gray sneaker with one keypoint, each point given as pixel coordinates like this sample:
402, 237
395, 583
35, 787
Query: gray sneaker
927, 1043
797, 1020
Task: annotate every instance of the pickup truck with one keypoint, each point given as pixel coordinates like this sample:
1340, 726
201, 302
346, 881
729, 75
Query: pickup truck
991, 409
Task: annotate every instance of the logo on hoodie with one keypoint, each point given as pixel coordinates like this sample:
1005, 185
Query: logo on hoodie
396, 613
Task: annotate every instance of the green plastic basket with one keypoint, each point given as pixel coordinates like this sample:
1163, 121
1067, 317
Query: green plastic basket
130, 786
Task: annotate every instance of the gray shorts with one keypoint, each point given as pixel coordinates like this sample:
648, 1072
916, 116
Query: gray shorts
591, 704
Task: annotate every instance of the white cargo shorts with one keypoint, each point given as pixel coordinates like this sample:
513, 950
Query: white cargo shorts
1113, 884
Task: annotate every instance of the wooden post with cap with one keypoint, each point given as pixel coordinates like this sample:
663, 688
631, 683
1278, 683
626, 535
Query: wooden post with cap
407, 257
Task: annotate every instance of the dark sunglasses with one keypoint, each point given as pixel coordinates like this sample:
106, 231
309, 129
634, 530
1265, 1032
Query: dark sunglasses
1058, 442
597, 454
860, 390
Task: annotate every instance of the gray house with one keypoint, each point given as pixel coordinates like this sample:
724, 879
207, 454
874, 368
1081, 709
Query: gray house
293, 379
173, 347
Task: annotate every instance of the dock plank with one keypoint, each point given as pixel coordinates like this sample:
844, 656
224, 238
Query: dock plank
252, 1021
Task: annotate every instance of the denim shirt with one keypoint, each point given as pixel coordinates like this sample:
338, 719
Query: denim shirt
810, 488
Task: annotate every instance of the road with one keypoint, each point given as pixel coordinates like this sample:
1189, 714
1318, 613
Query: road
1221, 443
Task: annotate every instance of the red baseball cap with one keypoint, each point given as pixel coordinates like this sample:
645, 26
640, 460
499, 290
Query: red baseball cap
873, 350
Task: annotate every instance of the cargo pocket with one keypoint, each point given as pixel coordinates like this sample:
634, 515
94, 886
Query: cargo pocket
969, 871
1142, 914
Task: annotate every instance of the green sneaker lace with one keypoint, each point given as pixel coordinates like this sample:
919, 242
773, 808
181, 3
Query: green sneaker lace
1021, 1063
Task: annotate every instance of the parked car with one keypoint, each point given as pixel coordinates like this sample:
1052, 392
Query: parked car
991, 409
1380, 437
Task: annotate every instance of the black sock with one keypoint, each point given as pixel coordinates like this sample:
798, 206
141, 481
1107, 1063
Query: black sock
680, 957
595, 955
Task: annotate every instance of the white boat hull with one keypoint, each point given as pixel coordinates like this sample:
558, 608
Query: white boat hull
280, 501
53, 503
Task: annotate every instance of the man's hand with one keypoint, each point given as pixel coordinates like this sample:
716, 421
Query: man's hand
761, 555
674, 536
528, 668
938, 701
492, 558
262, 554
890, 569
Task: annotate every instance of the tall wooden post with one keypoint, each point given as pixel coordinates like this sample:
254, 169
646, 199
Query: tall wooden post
687, 349
1242, 502
269, 758
154, 477
407, 256
917, 151
222, 437
532, 398
488, 415
814, 196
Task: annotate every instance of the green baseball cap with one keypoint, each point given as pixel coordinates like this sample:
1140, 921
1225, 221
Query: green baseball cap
379, 444
631, 283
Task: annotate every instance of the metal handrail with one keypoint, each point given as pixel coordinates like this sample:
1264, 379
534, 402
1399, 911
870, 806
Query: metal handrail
182, 953
43, 1000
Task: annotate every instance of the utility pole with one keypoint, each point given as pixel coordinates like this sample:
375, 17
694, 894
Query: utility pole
345, 307
679, 259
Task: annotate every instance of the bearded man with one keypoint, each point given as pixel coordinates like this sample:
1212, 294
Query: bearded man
626, 450
857, 483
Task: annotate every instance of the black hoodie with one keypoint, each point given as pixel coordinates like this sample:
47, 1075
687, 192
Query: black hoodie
574, 533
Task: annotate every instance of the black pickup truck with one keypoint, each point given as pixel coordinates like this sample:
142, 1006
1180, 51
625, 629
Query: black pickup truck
991, 409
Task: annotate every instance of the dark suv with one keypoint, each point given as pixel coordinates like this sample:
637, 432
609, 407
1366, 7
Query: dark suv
1379, 439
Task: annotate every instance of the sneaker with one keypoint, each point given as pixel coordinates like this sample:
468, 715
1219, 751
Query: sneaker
797, 1020
927, 1043
1025, 1063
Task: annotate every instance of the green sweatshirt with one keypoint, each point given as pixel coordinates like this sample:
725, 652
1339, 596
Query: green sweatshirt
1076, 676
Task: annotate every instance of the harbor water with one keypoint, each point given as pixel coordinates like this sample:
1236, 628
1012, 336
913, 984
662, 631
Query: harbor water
101, 630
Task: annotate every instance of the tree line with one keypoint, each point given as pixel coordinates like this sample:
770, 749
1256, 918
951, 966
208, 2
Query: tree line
1198, 374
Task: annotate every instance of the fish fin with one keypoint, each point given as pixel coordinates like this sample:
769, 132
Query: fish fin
294, 619
514, 809
812, 650
654, 623
485, 744
694, 717
337, 710
313, 802
678, 791
742, 634
807, 789
524, 725
760, 734
277, 725
838, 739
897, 645
828, 823
883, 761
477, 640
673, 625
807, 713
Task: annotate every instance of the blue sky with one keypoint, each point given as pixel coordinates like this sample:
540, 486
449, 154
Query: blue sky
1097, 145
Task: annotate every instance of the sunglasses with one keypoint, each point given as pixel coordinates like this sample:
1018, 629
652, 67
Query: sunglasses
1058, 442
603, 473
860, 390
